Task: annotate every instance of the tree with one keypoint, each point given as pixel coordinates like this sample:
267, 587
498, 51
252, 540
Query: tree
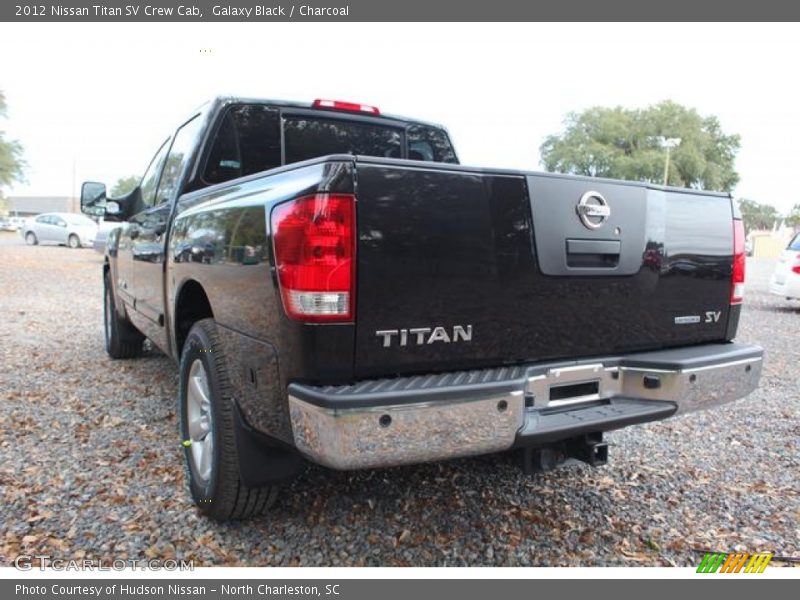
12, 165
623, 143
758, 216
124, 185
793, 218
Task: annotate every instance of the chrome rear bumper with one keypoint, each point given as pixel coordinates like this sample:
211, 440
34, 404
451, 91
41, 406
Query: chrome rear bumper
419, 419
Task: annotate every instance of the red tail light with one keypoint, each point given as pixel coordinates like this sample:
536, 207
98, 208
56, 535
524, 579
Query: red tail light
341, 105
796, 267
737, 280
315, 246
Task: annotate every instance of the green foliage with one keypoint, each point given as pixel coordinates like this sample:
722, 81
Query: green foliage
627, 144
793, 218
124, 185
12, 165
758, 216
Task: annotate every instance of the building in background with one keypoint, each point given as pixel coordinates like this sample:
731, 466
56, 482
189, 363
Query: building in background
28, 206
770, 244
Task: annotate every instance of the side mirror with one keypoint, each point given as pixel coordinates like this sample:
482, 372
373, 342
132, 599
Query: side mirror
93, 199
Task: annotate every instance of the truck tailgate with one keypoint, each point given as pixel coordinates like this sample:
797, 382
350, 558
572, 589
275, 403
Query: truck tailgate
460, 268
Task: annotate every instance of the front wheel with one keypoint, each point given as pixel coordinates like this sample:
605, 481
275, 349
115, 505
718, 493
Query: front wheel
122, 339
30, 238
207, 431
74, 241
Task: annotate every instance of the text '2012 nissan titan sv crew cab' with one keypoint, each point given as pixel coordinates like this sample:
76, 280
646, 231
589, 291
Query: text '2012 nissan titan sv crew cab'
337, 288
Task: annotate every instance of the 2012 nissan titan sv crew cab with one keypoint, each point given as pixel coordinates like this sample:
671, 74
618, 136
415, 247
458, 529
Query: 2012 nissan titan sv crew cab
337, 288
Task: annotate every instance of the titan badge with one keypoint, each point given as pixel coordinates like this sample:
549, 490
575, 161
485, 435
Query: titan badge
419, 336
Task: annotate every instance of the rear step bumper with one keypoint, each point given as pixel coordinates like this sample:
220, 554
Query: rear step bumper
409, 420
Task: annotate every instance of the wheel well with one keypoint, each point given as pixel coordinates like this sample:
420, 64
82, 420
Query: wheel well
192, 305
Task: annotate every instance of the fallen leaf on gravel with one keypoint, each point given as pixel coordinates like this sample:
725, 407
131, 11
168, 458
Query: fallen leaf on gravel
36, 518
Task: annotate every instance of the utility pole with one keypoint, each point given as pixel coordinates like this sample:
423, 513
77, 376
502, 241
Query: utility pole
668, 144
72, 192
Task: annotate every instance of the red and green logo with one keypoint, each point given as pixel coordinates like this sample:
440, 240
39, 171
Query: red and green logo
721, 562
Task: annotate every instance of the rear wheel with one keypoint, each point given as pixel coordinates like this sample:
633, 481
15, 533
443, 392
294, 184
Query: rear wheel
30, 238
208, 434
74, 241
123, 340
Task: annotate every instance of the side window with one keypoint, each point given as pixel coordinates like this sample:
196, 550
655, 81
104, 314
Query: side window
43, 219
150, 178
248, 141
428, 143
59, 221
182, 145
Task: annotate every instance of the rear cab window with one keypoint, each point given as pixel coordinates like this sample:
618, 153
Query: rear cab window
310, 137
251, 138
795, 243
430, 144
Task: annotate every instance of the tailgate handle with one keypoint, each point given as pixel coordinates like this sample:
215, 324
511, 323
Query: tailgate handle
594, 246
593, 254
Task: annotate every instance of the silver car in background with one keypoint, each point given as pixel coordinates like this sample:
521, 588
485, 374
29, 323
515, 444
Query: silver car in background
71, 229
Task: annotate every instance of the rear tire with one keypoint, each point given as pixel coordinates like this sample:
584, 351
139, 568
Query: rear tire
74, 241
123, 340
211, 457
30, 239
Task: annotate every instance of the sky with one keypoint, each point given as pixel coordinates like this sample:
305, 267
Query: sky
93, 101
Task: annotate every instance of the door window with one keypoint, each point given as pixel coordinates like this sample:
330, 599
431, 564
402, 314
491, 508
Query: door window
181, 148
248, 141
149, 182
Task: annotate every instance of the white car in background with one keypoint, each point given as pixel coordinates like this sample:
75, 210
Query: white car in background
786, 278
71, 229
103, 229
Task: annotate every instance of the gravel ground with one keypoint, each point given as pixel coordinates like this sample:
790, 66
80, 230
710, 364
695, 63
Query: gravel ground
90, 464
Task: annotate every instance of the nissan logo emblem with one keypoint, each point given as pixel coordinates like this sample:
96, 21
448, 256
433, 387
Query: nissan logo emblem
593, 210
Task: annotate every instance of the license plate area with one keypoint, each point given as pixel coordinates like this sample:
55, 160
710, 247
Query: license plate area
574, 392
565, 386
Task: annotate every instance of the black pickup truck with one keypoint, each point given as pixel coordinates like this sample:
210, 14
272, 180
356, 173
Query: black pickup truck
337, 288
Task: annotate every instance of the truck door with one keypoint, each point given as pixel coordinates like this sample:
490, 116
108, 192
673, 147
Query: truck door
129, 237
149, 242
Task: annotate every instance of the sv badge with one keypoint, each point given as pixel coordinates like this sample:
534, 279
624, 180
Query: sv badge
712, 316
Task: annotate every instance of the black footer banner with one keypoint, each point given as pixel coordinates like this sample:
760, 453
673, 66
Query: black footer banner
379, 589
